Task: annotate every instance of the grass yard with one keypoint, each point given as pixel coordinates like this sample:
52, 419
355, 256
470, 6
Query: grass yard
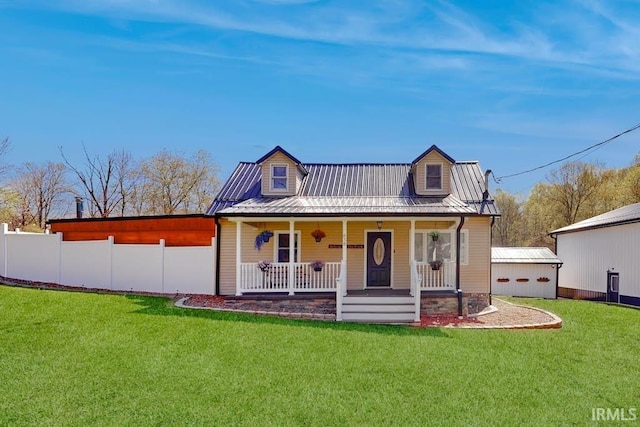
70, 358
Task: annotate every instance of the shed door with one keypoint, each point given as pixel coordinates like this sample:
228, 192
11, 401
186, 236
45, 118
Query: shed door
613, 287
379, 259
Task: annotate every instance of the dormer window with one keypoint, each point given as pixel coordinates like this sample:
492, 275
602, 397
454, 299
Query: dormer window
434, 176
279, 177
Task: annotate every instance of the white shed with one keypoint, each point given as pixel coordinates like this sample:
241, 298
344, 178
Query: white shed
601, 257
524, 272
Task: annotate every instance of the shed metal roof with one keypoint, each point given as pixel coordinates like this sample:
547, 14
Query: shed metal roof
624, 215
352, 189
524, 256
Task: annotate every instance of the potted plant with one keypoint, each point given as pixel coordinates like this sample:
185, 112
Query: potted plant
264, 265
435, 235
263, 238
317, 265
435, 264
318, 235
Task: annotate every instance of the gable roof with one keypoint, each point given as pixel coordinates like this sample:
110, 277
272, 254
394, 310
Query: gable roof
279, 149
354, 189
524, 256
624, 215
429, 150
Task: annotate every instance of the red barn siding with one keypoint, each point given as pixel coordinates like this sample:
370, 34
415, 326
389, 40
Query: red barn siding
178, 230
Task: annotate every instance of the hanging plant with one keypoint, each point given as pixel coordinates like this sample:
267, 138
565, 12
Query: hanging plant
435, 265
263, 238
264, 265
434, 236
318, 234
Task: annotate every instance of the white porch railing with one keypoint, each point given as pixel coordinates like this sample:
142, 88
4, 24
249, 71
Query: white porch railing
437, 280
275, 277
341, 289
416, 281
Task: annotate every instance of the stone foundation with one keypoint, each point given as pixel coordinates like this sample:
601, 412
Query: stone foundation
292, 304
446, 304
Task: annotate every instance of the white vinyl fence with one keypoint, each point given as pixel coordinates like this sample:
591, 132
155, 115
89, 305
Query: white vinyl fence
104, 265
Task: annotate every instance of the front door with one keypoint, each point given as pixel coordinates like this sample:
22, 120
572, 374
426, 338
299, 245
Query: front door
613, 289
378, 259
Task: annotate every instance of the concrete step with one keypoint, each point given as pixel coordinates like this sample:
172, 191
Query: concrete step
378, 308
378, 300
378, 317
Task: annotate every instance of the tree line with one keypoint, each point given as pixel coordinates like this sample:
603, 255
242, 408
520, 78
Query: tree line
116, 184
574, 192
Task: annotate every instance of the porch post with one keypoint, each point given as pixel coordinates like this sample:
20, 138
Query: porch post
292, 254
412, 248
238, 257
344, 255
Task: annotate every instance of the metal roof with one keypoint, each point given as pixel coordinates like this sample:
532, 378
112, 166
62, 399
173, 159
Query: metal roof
524, 256
624, 215
354, 189
342, 205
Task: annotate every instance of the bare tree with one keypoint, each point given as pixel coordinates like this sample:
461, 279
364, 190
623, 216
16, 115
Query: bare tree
41, 190
172, 183
104, 183
4, 149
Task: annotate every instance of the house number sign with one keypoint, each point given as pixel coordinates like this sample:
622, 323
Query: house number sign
348, 246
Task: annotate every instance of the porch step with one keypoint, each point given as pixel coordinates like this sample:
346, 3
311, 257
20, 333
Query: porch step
378, 309
378, 300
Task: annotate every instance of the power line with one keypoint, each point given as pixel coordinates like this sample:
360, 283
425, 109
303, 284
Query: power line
598, 145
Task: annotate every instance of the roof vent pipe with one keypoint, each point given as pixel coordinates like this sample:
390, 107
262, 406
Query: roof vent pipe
485, 194
79, 207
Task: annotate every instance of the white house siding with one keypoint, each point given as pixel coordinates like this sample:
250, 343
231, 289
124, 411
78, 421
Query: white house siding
105, 265
530, 272
589, 254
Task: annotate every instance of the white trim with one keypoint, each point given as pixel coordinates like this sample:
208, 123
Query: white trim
345, 232
238, 257
272, 177
276, 233
366, 249
426, 176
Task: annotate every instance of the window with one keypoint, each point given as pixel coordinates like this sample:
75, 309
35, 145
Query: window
434, 176
279, 174
445, 246
464, 247
283, 243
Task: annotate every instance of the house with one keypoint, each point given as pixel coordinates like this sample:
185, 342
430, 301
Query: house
389, 241
524, 272
600, 257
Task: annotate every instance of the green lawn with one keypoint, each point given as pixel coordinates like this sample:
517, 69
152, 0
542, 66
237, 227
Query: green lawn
70, 358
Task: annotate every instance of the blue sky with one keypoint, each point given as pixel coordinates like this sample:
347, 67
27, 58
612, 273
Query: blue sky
511, 84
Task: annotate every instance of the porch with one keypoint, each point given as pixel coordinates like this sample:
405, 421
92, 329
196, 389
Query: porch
260, 277
378, 269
